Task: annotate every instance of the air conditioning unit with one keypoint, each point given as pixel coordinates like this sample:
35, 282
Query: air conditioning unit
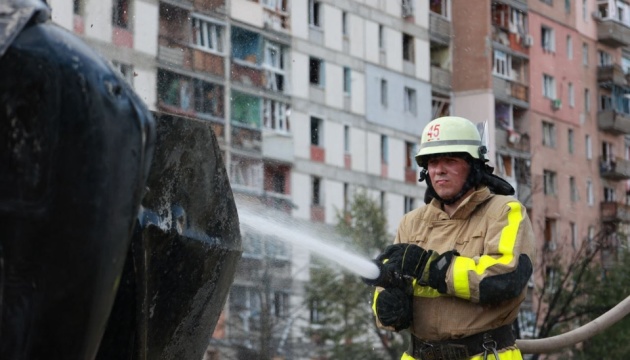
528, 40
513, 137
556, 104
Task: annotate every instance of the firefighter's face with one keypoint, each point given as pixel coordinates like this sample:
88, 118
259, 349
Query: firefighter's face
448, 175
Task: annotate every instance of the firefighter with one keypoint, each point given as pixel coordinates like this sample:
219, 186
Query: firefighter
468, 254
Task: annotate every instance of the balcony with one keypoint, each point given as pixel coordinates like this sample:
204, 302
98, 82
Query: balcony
615, 169
439, 29
511, 91
212, 5
172, 53
613, 122
611, 74
612, 32
511, 141
245, 138
614, 212
441, 79
275, 145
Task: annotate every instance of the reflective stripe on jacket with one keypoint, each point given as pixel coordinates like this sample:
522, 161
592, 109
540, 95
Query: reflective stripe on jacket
487, 281
506, 354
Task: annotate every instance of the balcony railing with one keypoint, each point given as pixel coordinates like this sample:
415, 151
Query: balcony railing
439, 28
245, 138
613, 122
441, 78
614, 169
611, 74
612, 32
173, 53
505, 139
511, 91
614, 212
275, 145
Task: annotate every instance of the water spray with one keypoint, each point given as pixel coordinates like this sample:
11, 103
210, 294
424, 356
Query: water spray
266, 223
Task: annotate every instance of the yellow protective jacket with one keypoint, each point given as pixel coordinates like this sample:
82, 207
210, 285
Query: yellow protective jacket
486, 282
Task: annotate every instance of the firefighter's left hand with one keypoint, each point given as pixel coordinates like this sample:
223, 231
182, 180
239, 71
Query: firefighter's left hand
392, 307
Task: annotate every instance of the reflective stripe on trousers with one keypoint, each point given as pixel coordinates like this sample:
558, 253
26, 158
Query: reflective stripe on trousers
511, 354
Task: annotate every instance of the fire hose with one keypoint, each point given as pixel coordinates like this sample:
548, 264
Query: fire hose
585, 332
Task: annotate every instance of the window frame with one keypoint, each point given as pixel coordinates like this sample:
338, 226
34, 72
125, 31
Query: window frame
410, 97
547, 39
216, 32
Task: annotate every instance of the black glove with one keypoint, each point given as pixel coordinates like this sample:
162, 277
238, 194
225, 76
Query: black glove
393, 308
406, 259
437, 268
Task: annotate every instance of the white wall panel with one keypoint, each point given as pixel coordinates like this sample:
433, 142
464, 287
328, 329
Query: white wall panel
62, 13
357, 105
372, 51
373, 153
358, 149
334, 85
98, 19
301, 194
396, 168
423, 60
301, 129
299, 19
393, 43
146, 27
145, 85
299, 75
334, 200
247, 11
333, 140
332, 27
356, 29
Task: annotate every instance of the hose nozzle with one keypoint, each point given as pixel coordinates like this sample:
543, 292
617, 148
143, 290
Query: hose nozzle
387, 278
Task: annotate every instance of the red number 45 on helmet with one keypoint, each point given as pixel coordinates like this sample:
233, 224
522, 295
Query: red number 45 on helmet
434, 132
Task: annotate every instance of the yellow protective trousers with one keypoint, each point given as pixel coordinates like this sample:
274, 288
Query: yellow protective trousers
509, 354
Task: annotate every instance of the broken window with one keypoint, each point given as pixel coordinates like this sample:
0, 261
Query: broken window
411, 101
245, 109
316, 131
502, 64
246, 46
314, 7
207, 35
276, 178
175, 90
384, 149
274, 64
120, 13
188, 94
246, 172
408, 48
316, 191
440, 7
276, 116
316, 72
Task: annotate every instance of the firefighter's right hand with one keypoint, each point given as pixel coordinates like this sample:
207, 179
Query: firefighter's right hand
406, 259
392, 307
